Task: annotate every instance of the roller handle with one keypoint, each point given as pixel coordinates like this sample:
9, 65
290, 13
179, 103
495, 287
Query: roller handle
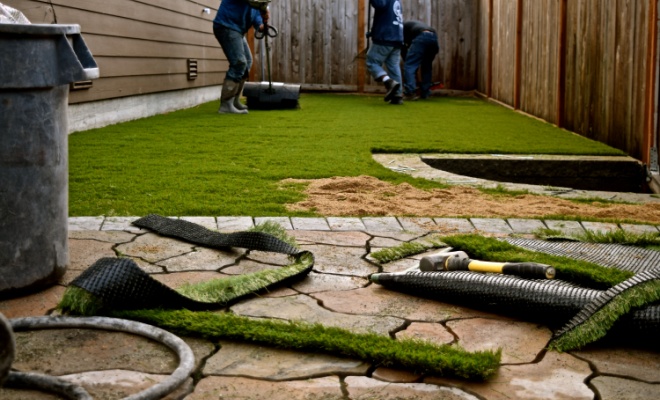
529, 270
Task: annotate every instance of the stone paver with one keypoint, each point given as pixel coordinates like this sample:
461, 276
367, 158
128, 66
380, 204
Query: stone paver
297, 308
454, 225
565, 227
615, 388
234, 224
251, 361
520, 225
600, 227
345, 224
521, 342
310, 224
202, 259
491, 225
154, 248
85, 223
337, 293
557, 376
639, 228
362, 387
284, 222
217, 387
417, 224
382, 224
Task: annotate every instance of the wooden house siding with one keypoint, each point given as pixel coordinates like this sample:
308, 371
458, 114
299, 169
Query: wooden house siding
140, 46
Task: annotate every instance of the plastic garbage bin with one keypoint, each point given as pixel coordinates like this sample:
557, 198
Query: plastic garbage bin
37, 64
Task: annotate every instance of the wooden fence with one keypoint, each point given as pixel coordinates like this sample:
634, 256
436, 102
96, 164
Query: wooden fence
586, 65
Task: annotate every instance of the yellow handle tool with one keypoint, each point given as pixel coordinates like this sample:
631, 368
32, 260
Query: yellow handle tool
459, 261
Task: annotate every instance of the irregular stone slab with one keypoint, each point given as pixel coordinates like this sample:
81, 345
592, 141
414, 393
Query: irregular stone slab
268, 257
565, 227
431, 332
600, 227
121, 224
71, 351
284, 222
84, 253
376, 300
340, 260
382, 224
206, 222
352, 239
216, 387
520, 225
378, 243
115, 237
362, 387
154, 248
85, 223
557, 376
520, 341
454, 225
247, 267
34, 305
234, 224
178, 279
248, 360
625, 362
417, 224
615, 388
399, 265
395, 375
118, 384
202, 259
345, 224
315, 282
303, 308
147, 266
310, 224
491, 225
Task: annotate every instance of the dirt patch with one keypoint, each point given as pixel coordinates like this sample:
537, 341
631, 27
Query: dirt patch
366, 195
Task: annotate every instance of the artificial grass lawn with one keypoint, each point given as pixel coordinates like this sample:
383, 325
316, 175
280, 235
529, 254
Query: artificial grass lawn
196, 162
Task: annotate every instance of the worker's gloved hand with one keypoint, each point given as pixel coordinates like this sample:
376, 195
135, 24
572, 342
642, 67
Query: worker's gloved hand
265, 15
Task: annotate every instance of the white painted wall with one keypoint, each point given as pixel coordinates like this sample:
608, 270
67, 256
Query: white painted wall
98, 114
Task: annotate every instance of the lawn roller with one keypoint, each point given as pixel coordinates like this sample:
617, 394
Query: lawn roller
269, 95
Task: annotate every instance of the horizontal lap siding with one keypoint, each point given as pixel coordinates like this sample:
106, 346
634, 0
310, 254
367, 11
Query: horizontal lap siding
140, 46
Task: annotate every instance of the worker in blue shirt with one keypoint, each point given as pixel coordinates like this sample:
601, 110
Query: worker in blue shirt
387, 40
231, 23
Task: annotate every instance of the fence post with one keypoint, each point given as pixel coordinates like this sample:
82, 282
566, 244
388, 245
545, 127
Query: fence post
518, 56
489, 78
361, 70
650, 133
561, 73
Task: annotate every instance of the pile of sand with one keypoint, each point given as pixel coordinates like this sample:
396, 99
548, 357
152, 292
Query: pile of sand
366, 195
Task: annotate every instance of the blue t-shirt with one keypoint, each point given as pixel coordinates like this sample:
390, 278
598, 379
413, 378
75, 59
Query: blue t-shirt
387, 28
237, 15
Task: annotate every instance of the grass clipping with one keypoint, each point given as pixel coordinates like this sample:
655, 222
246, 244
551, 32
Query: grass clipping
414, 355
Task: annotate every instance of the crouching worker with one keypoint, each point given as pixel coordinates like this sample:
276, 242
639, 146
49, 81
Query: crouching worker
230, 25
421, 47
387, 39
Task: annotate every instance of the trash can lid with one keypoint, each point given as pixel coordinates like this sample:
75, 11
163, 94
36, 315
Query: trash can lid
40, 29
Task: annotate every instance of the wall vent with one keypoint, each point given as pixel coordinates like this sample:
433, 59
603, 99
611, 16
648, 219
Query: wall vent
192, 68
80, 85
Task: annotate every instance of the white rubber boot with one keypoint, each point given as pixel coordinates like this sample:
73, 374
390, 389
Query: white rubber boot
227, 97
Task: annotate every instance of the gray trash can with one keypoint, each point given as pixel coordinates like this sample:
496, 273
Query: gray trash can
37, 64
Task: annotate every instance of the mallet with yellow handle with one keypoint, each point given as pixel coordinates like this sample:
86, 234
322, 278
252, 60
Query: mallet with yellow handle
459, 261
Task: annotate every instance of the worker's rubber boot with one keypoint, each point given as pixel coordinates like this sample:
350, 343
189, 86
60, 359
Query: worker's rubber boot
227, 96
392, 87
237, 99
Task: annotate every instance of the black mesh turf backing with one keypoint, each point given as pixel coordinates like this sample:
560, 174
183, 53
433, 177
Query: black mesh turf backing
122, 285
548, 302
627, 258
